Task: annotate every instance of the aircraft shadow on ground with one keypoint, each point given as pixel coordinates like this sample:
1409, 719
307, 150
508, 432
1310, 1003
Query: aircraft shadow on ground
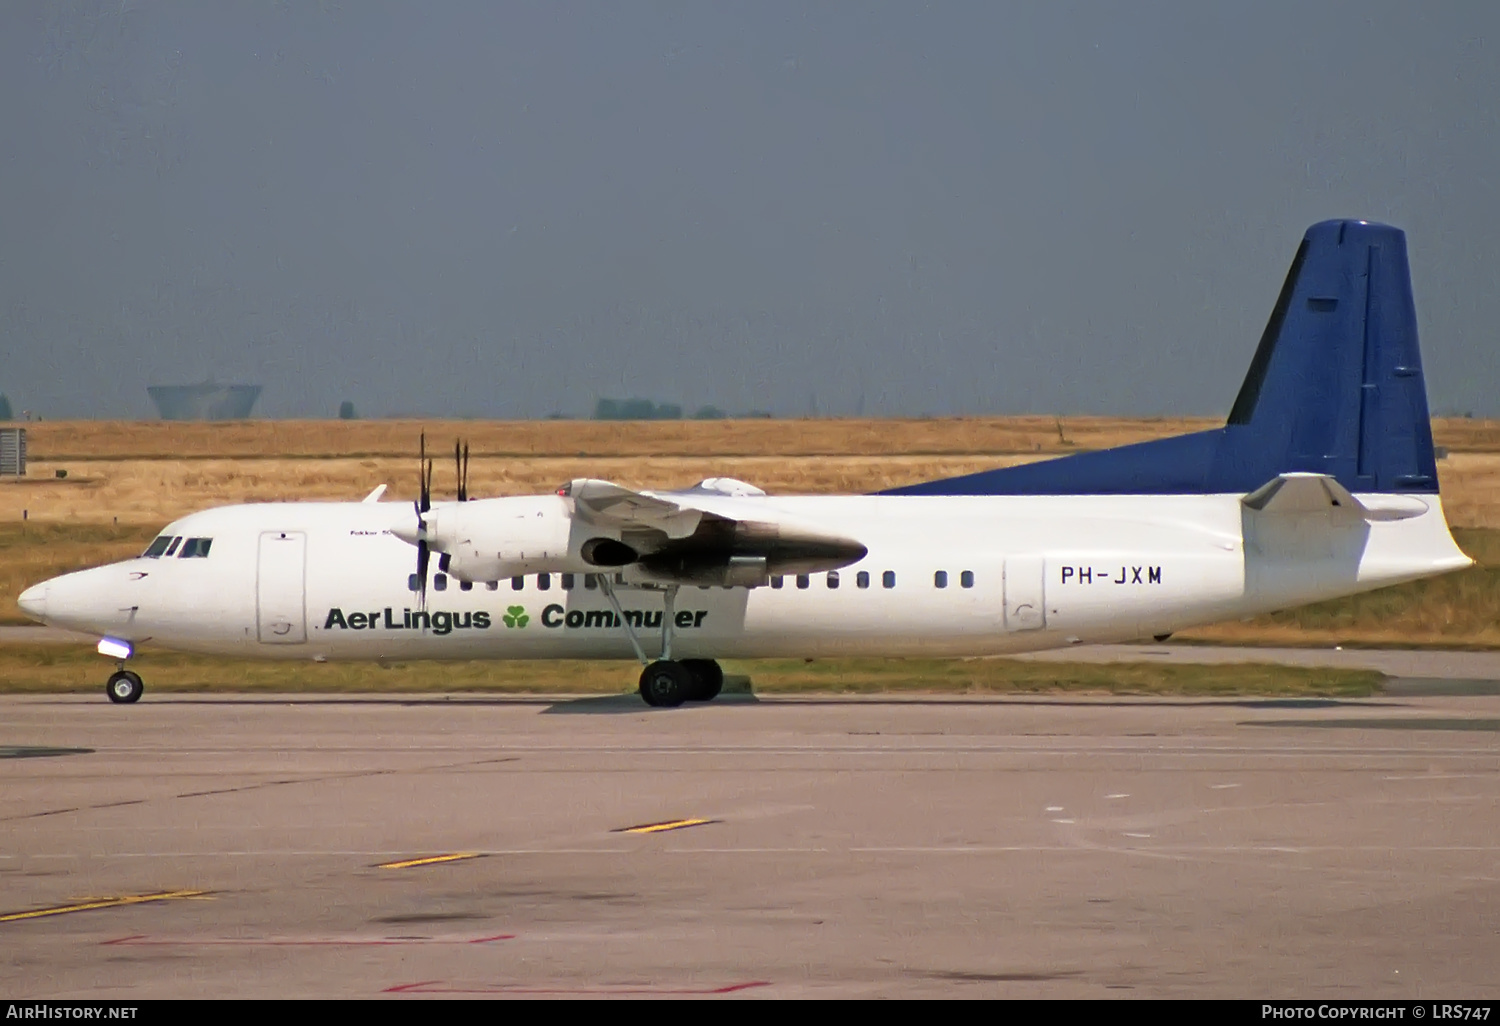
607, 704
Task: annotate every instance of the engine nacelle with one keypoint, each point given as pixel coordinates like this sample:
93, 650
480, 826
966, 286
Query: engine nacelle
492, 539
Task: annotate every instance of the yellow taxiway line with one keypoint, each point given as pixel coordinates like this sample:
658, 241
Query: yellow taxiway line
127, 899
656, 828
431, 860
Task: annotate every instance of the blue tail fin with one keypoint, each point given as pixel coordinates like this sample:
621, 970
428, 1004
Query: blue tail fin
1335, 388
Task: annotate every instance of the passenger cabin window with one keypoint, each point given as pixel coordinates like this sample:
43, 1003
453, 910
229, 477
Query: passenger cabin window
567, 582
802, 580
492, 585
517, 583
862, 579
465, 585
888, 579
173, 547
940, 579
195, 548
543, 582
412, 582
776, 581
157, 547
440, 582
589, 582
833, 578
966, 578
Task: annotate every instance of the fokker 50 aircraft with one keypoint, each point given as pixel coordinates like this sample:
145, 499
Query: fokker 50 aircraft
1322, 483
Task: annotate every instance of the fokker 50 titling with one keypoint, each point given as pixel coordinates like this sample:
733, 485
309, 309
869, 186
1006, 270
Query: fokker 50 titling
1322, 483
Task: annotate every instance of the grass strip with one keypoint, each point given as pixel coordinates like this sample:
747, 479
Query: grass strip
67, 669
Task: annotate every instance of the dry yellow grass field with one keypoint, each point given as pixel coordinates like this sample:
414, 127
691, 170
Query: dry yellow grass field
265, 439
151, 472
124, 480
954, 436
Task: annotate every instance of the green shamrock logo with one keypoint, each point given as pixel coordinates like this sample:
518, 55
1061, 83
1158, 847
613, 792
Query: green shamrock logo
515, 616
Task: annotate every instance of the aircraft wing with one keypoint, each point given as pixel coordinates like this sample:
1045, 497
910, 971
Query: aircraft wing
606, 504
677, 534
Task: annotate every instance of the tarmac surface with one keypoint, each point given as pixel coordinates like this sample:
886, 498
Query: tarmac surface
277, 846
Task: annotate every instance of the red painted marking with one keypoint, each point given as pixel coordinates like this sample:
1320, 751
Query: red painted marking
430, 987
142, 940
403, 988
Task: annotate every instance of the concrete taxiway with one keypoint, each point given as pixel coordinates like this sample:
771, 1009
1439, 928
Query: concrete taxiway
260, 846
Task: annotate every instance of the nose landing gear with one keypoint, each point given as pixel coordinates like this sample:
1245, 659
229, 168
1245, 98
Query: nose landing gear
124, 686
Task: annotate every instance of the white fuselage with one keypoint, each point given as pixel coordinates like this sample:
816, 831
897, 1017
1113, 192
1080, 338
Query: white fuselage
330, 581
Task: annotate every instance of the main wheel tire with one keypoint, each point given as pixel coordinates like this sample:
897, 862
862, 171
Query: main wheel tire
124, 687
708, 679
666, 683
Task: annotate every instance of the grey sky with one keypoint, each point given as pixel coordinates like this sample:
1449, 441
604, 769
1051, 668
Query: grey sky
505, 209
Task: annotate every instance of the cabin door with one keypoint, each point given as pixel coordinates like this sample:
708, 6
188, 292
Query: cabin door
1025, 603
280, 596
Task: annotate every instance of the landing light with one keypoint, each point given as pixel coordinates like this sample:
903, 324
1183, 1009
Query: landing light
115, 648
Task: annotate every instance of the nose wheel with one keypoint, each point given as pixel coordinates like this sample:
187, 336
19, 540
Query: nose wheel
124, 687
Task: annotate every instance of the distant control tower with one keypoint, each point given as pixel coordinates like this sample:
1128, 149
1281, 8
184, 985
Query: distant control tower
207, 401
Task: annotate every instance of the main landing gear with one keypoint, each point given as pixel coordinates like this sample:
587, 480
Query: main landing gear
667, 681
124, 686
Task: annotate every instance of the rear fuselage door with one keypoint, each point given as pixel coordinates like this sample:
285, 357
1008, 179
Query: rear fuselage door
280, 596
1025, 603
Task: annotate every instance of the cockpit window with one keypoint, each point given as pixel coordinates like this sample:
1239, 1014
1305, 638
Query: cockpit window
157, 547
195, 548
173, 547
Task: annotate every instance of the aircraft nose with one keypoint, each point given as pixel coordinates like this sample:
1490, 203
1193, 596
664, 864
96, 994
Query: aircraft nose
33, 602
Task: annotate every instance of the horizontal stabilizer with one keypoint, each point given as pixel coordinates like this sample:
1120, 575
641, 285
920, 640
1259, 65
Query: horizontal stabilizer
1296, 494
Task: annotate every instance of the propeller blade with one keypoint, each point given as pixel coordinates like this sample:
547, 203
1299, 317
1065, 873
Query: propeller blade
463, 487
423, 554
424, 477
423, 505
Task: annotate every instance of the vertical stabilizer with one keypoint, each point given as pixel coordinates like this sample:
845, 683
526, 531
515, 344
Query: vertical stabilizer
1335, 387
